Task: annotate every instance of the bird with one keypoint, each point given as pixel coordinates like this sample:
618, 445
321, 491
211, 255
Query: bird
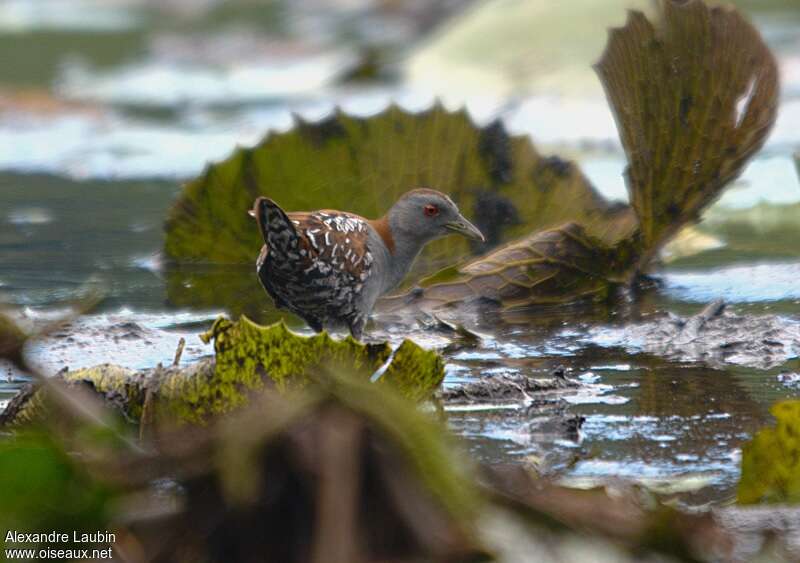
330, 267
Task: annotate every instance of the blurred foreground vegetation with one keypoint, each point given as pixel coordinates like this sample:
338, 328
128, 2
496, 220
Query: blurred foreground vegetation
338, 468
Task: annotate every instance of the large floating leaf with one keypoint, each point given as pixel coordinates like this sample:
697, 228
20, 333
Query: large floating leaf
248, 358
771, 461
551, 267
283, 356
364, 165
694, 96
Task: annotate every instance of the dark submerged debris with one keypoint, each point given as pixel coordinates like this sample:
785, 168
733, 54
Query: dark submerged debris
507, 389
716, 337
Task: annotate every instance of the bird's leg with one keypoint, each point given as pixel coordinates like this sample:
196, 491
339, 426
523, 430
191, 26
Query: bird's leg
315, 324
357, 326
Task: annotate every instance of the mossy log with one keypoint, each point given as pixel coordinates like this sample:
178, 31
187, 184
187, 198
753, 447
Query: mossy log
248, 358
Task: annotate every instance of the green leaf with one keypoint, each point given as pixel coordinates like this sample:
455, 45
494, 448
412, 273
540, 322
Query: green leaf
250, 352
694, 96
771, 460
364, 165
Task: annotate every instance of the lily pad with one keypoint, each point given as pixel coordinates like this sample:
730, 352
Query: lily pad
363, 165
248, 358
771, 461
289, 359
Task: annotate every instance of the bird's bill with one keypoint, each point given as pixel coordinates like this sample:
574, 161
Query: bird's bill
464, 227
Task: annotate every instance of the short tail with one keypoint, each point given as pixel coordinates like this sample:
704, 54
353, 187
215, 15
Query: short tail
277, 229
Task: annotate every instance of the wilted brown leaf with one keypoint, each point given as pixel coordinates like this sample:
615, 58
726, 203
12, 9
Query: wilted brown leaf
549, 267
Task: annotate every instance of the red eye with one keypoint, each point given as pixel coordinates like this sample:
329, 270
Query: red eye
431, 211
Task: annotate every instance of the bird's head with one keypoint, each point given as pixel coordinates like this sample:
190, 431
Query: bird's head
426, 214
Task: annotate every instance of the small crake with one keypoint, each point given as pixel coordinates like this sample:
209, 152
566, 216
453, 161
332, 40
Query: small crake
330, 267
